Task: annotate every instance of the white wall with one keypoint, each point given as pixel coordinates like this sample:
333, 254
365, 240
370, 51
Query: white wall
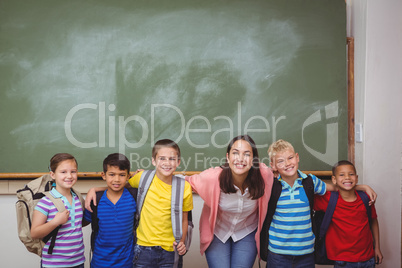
377, 29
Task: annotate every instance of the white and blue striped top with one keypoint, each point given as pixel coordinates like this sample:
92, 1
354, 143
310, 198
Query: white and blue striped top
290, 232
69, 248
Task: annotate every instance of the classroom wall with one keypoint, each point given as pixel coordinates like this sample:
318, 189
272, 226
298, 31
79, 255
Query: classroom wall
377, 29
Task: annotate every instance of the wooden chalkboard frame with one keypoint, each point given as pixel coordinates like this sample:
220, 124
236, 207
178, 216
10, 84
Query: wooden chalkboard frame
350, 41
94, 175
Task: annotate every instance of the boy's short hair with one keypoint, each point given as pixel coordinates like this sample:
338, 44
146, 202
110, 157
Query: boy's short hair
342, 163
165, 143
278, 146
116, 160
58, 158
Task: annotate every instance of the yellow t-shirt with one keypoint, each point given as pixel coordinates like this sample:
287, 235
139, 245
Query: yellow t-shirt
155, 227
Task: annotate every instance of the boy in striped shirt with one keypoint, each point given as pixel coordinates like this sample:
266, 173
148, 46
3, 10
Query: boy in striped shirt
114, 242
291, 239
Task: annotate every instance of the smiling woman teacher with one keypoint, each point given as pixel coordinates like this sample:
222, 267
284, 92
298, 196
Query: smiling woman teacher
235, 204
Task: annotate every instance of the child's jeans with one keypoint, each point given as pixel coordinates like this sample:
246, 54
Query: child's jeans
231, 254
364, 264
285, 261
152, 257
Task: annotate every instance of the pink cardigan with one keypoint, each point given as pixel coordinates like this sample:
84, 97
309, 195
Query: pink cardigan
206, 185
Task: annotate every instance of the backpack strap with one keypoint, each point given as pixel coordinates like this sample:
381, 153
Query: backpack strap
95, 219
328, 213
273, 200
177, 212
308, 186
58, 203
366, 201
80, 198
177, 207
145, 181
133, 192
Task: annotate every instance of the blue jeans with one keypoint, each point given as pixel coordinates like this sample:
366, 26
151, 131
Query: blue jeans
152, 257
232, 254
290, 261
363, 264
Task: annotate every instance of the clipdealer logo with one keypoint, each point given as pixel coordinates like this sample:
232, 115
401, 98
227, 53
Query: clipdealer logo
108, 125
331, 154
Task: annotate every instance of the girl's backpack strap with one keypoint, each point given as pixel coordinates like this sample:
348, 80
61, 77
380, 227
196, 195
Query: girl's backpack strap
81, 199
58, 203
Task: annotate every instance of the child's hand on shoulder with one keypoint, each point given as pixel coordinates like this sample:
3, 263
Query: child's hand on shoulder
61, 217
275, 172
138, 170
181, 248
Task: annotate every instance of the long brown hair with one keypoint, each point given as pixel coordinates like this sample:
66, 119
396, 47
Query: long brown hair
254, 181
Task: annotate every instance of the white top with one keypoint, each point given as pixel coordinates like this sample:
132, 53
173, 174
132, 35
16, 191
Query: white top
237, 215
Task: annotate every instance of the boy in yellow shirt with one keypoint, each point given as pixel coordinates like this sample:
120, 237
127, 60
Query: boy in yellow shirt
155, 240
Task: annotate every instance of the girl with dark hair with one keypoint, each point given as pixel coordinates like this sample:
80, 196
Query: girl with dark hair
236, 199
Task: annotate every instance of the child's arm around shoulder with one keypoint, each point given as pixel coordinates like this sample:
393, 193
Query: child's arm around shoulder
321, 201
369, 191
40, 228
91, 195
204, 183
361, 187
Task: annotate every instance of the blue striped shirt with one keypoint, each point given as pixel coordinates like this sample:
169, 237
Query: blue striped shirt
290, 232
69, 247
114, 244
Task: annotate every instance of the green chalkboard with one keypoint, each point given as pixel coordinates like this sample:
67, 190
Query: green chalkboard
96, 77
